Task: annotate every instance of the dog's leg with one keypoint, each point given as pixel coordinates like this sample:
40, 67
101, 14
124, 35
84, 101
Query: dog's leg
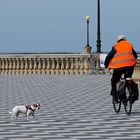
34, 116
17, 115
27, 117
13, 115
28, 113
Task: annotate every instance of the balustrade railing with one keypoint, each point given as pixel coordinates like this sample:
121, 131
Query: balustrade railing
46, 63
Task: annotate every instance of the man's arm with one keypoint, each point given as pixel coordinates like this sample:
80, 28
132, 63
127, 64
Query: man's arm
110, 56
134, 53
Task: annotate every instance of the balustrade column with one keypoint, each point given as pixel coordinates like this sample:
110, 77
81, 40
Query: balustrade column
17, 65
82, 65
76, 66
39, 66
14, 65
26, 66
0, 65
57, 66
34, 65
62, 66
6, 65
53, 66
72, 66
10, 66
86, 66
48, 65
3, 65
21, 61
30, 65
43, 65
67, 66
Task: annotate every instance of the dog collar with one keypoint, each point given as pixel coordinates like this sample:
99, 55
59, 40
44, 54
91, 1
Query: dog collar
29, 107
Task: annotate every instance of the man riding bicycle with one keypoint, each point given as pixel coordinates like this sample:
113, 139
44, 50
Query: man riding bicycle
122, 59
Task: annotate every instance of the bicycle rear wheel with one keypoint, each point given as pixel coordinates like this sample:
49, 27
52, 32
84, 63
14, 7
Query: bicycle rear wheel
128, 104
117, 106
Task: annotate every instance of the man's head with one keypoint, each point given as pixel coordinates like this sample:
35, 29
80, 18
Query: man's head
121, 37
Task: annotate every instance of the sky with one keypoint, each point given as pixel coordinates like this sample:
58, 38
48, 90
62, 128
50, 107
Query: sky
60, 25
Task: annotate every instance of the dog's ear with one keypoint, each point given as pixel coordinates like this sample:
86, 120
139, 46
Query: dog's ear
38, 106
35, 105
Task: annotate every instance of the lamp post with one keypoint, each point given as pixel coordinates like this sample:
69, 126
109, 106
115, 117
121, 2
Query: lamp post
87, 49
98, 28
88, 19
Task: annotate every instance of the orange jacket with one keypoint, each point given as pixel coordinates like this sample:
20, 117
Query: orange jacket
124, 56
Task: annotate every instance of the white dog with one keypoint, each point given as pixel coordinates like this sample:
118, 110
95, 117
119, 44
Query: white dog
28, 110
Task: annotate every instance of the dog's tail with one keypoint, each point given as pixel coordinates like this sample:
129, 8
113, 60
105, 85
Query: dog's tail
10, 111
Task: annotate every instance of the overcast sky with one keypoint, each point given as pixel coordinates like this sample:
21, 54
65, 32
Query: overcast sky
60, 25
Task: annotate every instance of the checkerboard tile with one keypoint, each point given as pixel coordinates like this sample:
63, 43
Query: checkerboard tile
73, 107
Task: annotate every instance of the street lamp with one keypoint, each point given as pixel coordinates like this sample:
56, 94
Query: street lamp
98, 28
88, 19
87, 49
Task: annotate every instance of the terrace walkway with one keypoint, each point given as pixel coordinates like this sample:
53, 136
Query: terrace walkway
73, 107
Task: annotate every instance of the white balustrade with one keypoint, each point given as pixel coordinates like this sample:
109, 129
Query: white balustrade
46, 63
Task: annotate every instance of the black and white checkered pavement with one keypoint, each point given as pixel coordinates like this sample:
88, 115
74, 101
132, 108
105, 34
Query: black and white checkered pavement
73, 107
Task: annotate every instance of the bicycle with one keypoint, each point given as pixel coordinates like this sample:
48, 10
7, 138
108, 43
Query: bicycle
127, 98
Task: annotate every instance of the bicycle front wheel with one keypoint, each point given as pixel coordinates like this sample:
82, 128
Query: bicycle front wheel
128, 104
117, 106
